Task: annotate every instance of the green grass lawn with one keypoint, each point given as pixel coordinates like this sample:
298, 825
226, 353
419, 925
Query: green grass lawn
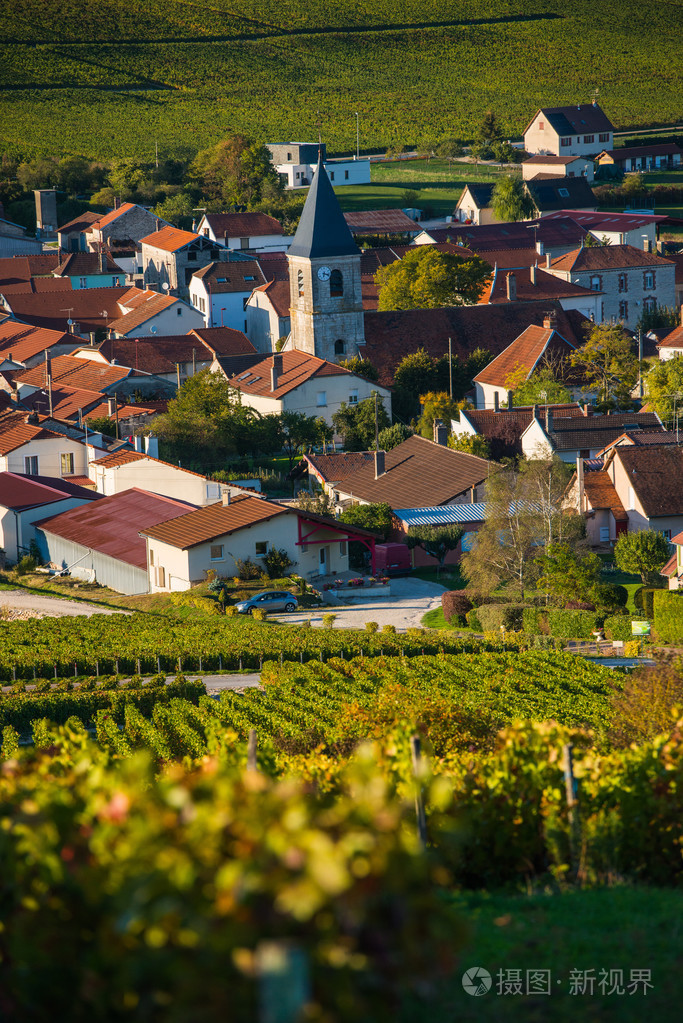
619, 928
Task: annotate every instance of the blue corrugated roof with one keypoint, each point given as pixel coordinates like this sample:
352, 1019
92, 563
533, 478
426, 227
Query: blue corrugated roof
441, 514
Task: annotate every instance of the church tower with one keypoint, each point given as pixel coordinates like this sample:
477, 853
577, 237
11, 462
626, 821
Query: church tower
326, 302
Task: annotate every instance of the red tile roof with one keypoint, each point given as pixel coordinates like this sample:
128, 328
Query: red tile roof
89, 374
274, 265
596, 221
81, 223
575, 120
550, 159
169, 239
67, 402
381, 222
297, 368
92, 308
626, 152
243, 225
543, 288
15, 431
142, 312
206, 524
18, 491
600, 494
607, 257
278, 293
113, 215
112, 525
82, 264
597, 431
656, 475
524, 353
24, 341
15, 269
223, 340
672, 340
419, 474
126, 457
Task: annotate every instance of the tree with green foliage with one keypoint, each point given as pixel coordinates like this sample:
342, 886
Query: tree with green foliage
592, 242
470, 443
450, 147
419, 373
394, 435
376, 517
298, 431
568, 573
511, 200
362, 367
428, 279
608, 364
644, 553
102, 424
661, 316
436, 405
542, 388
489, 129
317, 501
235, 171
178, 209
356, 423
436, 541
664, 388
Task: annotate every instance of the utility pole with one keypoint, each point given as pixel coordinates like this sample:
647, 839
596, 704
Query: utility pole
194, 361
156, 152
116, 413
450, 368
376, 425
640, 362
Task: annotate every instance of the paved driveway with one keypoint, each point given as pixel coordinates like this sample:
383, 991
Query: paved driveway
410, 599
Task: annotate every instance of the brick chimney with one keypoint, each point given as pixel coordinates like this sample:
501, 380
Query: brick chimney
550, 320
587, 410
547, 260
379, 464
275, 370
511, 287
441, 432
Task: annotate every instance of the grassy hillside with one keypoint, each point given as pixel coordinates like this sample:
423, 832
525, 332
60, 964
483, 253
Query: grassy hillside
111, 78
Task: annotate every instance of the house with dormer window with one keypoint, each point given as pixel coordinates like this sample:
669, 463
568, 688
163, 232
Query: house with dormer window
221, 290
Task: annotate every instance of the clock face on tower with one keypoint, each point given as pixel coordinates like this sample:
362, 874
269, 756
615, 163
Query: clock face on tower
324, 273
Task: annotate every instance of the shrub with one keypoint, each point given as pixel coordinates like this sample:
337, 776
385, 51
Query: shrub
277, 561
371, 626
389, 629
618, 627
472, 619
258, 614
10, 742
571, 624
632, 648
247, 569
230, 611
416, 633
609, 596
579, 605
535, 621
328, 621
668, 615
493, 616
643, 599
456, 604
26, 564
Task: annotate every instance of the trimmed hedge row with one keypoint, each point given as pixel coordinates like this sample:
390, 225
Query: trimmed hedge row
668, 615
455, 604
494, 616
559, 622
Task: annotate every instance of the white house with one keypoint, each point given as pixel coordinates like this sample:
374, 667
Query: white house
146, 313
637, 229
123, 470
221, 290
28, 446
671, 346
558, 167
180, 552
24, 500
294, 381
474, 205
296, 163
248, 230
268, 315
570, 437
582, 130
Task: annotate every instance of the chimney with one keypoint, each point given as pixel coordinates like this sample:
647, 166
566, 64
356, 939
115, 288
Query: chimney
547, 260
534, 412
92, 337
441, 433
511, 285
473, 494
495, 402
647, 244
510, 401
379, 464
225, 498
587, 410
152, 446
137, 442
540, 248
579, 480
548, 419
101, 261
532, 273
158, 224
550, 320
111, 406
277, 362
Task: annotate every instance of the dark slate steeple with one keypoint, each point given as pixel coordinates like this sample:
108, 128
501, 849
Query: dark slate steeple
322, 230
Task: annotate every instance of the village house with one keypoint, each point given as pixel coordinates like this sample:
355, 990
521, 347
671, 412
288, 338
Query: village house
170, 257
125, 469
248, 230
175, 357
268, 315
503, 427
120, 232
570, 437
638, 229
550, 194
631, 281
87, 369
661, 156
221, 290
90, 270
181, 552
101, 543
296, 163
382, 224
582, 130
294, 381
26, 499
670, 347
71, 237
557, 167
474, 205
36, 445
26, 345
549, 234
532, 284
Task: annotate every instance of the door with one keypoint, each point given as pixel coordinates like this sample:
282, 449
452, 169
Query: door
322, 567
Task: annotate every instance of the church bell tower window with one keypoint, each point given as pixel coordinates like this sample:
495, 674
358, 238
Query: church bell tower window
336, 284
300, 283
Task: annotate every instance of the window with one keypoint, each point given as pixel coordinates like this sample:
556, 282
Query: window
666, 533
244, 303
289, 157
244, 243
179, 311
649, 305
83, 282
249, 277
261, 548
216, 552
649, 279
339, 347
541, 125
115, 282
321, 399
151, 556
623, 310
300, 283
596, 283
336, 284
566, 141
31, 465
161, 577
331, 175
205, 232
353, 398
564, 192
604, 534
603, 136
623, 282
67, 464
342, 548
346, 175
192, 257
570, 174
588, 139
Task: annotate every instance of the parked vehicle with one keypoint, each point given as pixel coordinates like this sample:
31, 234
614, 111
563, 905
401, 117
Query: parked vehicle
392, 559
268, 600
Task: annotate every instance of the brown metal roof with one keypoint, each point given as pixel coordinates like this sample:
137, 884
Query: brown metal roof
599, 431
215, 520
241, 225
381, 222
112, 525
419, 474
18, 491
340, 465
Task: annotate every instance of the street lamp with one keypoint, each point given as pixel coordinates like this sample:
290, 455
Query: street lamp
357, 137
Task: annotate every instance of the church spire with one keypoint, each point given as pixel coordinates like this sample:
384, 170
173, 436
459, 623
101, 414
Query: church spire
322, 230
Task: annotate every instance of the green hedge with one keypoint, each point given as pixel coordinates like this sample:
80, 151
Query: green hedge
572, 624
535, 621
668, 615
643, 599
618, 627
493, 616
472, 619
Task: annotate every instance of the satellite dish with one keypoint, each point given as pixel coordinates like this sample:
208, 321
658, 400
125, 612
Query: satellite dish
70, 321
166, 286
153, 330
